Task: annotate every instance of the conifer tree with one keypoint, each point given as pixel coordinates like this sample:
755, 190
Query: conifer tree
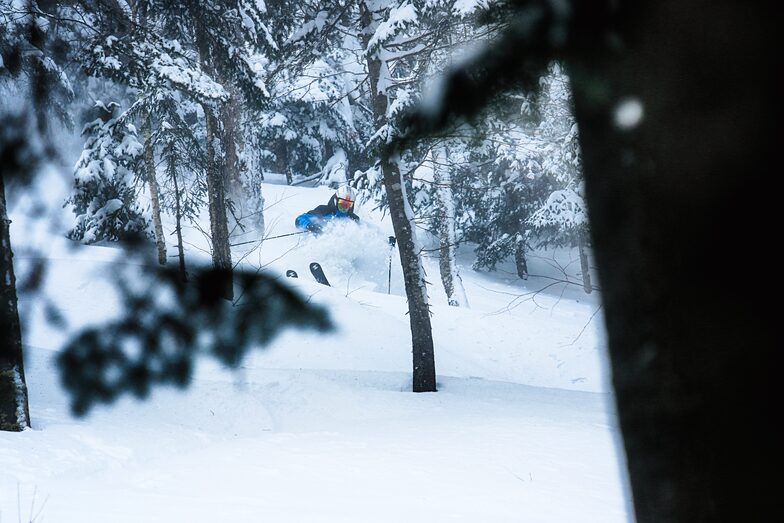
105, 180
562, 218
182, 153
391, 43
149, 70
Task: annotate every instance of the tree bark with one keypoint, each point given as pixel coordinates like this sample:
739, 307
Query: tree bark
678, 133
216, 188
244, 192
231, 139
255, 206
424, 373
216, 196
152, 183
521, 263
445, 205
585, 269
14, 410
178, 217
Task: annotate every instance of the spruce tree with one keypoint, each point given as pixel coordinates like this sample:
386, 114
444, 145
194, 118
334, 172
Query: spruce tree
562, 218
106, 181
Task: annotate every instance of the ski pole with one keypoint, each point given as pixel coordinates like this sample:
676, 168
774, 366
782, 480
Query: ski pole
389, 274
269, 238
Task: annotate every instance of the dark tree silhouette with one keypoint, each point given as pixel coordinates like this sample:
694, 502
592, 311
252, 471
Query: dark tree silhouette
166, 323
678, 107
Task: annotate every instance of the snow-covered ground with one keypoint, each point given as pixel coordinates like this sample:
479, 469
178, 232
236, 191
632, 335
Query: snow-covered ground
323, 428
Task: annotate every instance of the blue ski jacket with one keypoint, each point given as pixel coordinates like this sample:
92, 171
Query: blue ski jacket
315, 219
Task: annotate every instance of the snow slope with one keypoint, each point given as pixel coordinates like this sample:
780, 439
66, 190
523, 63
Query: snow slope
323, 427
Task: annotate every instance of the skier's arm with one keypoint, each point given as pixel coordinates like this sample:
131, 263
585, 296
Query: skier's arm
308, 222
302, 221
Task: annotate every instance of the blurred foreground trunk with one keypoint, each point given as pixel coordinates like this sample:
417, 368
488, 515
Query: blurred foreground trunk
678, 135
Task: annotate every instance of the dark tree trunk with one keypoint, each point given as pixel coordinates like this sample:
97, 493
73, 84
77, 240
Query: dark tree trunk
281, 157
216, 196
693, 361
679, 110
585, 269
521, 263
216, 186
424, 376
231, 140
14, 410
419, 313
178, 218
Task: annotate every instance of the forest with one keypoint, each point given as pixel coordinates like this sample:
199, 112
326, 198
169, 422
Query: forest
171, 145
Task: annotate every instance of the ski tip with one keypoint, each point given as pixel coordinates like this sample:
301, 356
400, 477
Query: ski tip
318, 273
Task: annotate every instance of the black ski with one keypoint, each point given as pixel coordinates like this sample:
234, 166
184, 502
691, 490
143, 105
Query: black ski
291, 274
318, 273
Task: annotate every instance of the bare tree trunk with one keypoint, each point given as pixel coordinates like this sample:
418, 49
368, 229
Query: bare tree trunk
231, 139
178, 218
424, 379
244, 191
255, 206
140, 15
450, 277
216, 196
424, 371
521, 263
216, 190
14, 410
585, 269
152, 183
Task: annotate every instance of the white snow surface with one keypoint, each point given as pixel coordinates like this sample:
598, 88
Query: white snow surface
323, 427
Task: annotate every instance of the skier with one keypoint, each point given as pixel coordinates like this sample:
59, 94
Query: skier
340, 206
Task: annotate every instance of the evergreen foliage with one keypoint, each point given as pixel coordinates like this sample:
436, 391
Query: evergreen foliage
167, 324
232, 89
562, 219
311, 120
518, 176
106, 184
179, 140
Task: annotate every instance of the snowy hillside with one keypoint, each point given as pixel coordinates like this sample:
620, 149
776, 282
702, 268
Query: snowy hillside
323, 427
